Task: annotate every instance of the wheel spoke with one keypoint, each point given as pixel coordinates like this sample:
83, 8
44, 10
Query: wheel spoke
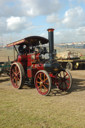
40, 86
44, 76
37, 81
39, 76
66, 75
44, 87
13, 72
68, 79
63, 74
47, 83
67, 83
14, 79
18, 73
12, 75
15, 68
45, 79
18, 78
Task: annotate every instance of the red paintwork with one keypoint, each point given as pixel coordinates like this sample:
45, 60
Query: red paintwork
29, 73
31, 63
23, 60
38, 66
29, 60
37, 56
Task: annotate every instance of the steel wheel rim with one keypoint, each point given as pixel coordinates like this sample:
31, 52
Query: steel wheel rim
42, 83
15, 76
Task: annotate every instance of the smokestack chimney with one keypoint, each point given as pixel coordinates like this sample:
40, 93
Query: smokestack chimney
51, 42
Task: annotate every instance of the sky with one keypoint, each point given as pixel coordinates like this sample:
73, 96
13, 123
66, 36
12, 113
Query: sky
23, 18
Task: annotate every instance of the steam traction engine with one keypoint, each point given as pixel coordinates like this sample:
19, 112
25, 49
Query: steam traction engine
38, 65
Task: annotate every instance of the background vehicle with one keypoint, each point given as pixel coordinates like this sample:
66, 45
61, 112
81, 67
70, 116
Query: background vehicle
5, 67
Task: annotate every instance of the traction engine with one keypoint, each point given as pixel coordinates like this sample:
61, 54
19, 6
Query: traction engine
38, 65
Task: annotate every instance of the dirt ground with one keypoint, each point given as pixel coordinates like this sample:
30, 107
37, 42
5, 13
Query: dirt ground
64, 106
26, 108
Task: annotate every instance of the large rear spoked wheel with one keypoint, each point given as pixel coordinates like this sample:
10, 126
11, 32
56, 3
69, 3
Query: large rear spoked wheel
64, 80
17, 75
43, 82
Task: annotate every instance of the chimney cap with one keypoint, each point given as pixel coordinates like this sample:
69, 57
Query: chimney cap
50, 29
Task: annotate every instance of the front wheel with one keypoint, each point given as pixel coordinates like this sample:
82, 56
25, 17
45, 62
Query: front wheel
43, 82
64, 80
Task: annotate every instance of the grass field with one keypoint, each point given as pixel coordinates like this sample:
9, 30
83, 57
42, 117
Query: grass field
26, 108
4, 53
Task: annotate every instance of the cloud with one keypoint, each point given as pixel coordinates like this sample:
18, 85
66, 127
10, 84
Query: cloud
74, 18
39, 7
77, 1
80, 32
28, 7
16, 23
11, 8
65, 36
3, 25
53, 18
26, 16
70, 35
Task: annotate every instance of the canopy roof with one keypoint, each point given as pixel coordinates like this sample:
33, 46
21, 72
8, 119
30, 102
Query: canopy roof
30, 41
